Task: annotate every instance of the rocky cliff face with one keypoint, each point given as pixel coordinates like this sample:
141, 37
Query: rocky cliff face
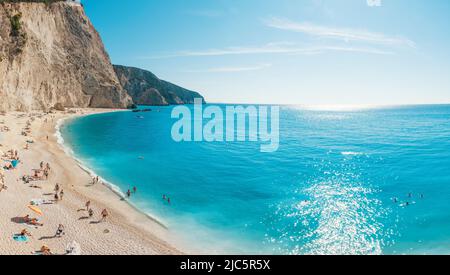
52, 54
147, 89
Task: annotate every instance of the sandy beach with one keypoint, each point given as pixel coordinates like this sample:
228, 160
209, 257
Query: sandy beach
125, 231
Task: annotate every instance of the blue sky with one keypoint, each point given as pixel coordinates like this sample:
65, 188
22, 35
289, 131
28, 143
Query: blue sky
312, 52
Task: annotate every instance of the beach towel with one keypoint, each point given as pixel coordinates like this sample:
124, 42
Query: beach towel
20, 238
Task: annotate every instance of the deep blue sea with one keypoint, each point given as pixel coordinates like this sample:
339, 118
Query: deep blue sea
344, 181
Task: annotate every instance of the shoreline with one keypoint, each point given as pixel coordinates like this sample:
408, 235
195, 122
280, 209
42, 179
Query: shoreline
128, 230
111, 186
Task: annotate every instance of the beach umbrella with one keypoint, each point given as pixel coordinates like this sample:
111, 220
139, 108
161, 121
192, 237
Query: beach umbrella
36, 209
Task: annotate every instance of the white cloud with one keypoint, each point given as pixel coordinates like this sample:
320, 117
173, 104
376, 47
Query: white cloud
374, 3
232, 69
271, 48
339, 33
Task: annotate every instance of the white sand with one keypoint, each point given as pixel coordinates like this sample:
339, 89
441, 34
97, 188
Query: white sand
130, 232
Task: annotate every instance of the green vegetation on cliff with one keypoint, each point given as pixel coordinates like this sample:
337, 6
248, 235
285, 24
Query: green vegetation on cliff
15, 24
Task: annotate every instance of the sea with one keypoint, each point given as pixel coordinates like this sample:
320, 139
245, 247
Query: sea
344, 180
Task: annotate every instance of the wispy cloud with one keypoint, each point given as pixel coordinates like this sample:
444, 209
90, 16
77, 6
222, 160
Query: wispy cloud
232, 69
271, 48
338, 33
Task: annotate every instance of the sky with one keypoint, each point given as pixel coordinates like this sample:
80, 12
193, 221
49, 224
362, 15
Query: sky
306, 52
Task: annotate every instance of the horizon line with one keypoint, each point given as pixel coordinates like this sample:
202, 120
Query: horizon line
331, 105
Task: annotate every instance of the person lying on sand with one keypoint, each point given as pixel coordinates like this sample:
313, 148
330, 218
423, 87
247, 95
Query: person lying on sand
2, 181
35, 222
26, 219
37, 175
27, 179
3, 187
32, 221
45, 250
24, 232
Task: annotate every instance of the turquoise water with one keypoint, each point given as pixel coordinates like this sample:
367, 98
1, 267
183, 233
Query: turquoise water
329, 189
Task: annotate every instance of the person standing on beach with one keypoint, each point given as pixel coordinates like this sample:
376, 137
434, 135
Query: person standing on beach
128, 193
91, 213
56, 188
60, 231
88, 204
105, 215
61, 194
